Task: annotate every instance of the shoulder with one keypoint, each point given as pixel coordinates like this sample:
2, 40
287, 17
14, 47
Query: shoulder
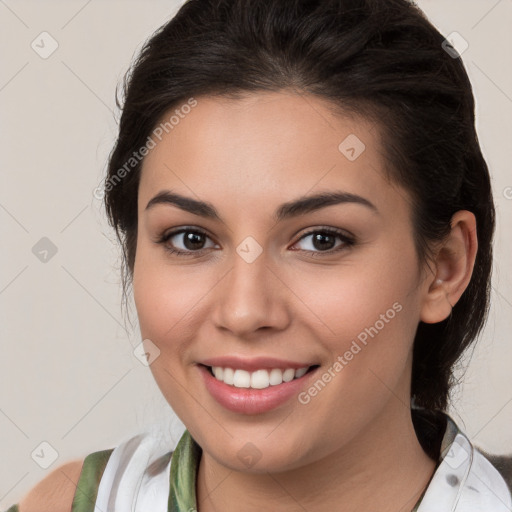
72, 485
55, 492
503, 463
76, 484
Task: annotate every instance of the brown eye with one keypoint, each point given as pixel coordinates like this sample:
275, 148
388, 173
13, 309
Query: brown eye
325, 241
185, 241
192, 240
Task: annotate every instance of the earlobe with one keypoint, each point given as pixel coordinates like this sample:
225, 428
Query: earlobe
454, 262
436, 306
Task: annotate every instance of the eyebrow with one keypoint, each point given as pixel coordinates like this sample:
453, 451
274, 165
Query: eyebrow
287, 210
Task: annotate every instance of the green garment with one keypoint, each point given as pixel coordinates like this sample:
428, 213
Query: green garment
183, 475
89, 481
184, 467
87, 487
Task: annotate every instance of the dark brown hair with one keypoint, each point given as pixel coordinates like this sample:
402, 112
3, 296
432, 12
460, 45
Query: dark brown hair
378, 58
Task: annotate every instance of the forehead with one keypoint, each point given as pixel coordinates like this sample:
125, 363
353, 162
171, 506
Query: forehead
273, 145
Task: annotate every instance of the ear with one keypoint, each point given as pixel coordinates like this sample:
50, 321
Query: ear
453, 264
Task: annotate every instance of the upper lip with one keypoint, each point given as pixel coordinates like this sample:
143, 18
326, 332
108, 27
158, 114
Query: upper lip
254, 363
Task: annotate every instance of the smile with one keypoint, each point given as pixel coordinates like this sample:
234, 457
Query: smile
259, 379
257, 391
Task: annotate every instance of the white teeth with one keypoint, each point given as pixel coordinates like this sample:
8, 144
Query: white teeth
288, 374
260, 379
228, 375
300, 372
276, 377
242, 379
218, 371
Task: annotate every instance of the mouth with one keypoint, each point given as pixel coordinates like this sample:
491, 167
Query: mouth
258, 379
255, 392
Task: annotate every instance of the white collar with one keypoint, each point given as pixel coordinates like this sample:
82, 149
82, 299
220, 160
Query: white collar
466, 481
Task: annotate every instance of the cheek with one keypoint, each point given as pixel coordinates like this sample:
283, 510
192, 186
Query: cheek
151, 300
368, 320
359, 294
161, 293
369, 312
172, 304
164, 302
163, 299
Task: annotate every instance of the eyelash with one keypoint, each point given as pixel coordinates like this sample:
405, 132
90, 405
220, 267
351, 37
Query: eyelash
347, 241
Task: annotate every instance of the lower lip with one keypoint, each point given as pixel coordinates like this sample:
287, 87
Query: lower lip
252, 401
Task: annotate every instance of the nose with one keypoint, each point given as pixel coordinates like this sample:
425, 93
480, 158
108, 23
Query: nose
251, 298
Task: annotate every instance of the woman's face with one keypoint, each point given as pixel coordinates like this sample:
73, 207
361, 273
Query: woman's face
263, 283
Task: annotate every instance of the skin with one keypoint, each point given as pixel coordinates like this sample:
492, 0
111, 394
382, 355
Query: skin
247, 157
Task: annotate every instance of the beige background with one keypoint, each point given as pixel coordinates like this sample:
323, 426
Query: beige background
69, 376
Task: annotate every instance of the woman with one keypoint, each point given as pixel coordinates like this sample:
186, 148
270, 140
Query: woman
306, 219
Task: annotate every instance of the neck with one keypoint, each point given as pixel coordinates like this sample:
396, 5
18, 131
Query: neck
384, 468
